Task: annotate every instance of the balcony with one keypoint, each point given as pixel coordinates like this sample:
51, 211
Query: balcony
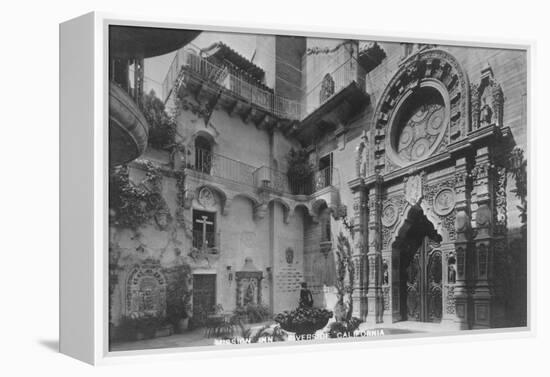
333, 101
332, 84
216, 165
128, 129
129, 46
189, 63
276, 181
325, 178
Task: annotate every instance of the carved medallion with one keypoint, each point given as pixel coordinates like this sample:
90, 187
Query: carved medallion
389, 215
444, 202
163, 219
248, 239
413, 189
206, 198
289, 255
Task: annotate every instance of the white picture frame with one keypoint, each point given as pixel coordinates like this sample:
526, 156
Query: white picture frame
84, 262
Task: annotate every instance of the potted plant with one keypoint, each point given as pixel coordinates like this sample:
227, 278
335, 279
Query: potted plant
299, 171
345, 274
303, 320
178, 297
162, 126
138, 327
252, 313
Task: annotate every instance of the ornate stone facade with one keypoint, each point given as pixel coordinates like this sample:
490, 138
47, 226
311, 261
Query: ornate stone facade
461, 196
417, 182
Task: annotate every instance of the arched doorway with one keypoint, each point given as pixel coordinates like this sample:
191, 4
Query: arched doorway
203, 154
418, 269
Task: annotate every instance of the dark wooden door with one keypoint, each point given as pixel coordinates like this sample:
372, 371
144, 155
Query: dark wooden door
204, 296
424, 275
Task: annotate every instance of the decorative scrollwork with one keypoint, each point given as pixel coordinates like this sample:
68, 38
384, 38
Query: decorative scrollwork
500, 201
450, 304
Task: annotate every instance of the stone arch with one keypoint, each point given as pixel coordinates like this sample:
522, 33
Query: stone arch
407, 219
303, 206
218, 191
254, 201
433, 68
258, 210
206, 134
411, 257
404, 220
146, 289
284, 204
203, 146
327, 88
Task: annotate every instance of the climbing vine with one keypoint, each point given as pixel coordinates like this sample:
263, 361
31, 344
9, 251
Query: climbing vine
180, 198
133, 205
518, 169
345, 275
162, 126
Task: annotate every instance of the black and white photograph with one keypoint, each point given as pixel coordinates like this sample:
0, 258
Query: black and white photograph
268, 188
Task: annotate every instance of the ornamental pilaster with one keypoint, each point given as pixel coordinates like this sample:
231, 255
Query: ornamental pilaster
374, 253
481, 263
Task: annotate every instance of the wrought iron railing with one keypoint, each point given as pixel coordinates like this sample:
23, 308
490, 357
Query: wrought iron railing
344, 74
223, 167
278, 181
265, 177
206, 240
324, 178
191, 61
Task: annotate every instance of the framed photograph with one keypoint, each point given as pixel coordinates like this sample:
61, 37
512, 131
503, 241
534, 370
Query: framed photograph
229, 189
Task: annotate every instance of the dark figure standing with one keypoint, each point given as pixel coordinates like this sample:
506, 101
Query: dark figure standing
306, 298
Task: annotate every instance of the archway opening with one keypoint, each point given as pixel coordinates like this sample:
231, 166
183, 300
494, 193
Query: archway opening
417, 275
203, 154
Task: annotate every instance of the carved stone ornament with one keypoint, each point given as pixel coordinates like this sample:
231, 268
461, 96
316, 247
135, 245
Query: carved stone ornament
289, 255
327, 88
206, 198
362, 158
450, 304
434, 73
389, 215
163, 219
444, 202
413, 189
487, 100
146, 290
483, 216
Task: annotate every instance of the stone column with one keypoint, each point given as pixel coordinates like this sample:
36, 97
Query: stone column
463, 254
374, 254
482, 202
359, 253
498, 271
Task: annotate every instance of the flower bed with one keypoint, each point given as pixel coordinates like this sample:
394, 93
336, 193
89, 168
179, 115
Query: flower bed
303, 320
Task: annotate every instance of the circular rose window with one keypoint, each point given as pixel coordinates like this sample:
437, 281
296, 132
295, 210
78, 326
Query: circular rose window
419, 125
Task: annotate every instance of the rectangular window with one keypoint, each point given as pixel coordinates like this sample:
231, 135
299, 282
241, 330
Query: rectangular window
482, 256
460, 262
324, 175
325, 227
204, 229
